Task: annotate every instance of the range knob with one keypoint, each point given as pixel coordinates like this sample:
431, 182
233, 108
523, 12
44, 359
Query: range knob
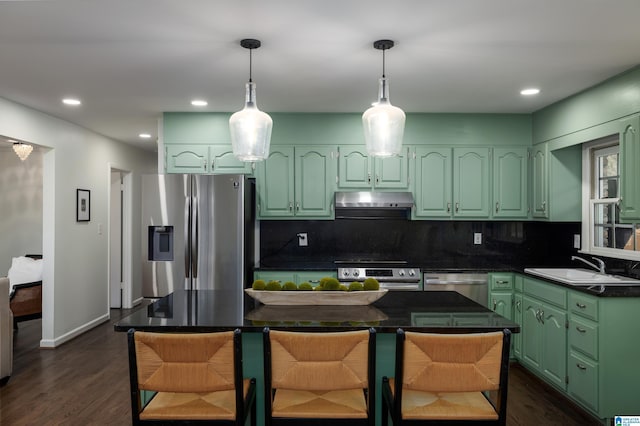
356, 273
412, 272
401, 272
345, 272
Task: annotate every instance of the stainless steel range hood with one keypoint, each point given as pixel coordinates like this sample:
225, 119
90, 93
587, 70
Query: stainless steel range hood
373, 205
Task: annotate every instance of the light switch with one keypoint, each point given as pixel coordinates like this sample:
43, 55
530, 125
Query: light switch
302, 239
477, 238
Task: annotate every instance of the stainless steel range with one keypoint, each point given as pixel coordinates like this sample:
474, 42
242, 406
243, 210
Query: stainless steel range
392, 275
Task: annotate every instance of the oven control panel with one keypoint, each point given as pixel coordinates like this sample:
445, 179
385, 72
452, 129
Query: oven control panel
405, 274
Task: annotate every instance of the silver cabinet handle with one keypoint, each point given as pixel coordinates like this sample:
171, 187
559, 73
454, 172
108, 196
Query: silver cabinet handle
544, 206
581, 330
581, 305
495, 304
502, 282
213, 164
298, 207
457, 207
369, 178
448, 207
542, 317
581, 367
497, 206
519, 306
377, 179
290, 206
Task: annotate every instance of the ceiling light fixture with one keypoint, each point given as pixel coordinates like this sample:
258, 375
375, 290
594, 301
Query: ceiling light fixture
530, 91
21, 149
71, 101
199, 103
144, 135
250, 128
383, 123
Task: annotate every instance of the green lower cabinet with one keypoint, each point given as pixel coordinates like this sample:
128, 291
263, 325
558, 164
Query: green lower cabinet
583, 380
544, 335
501, 303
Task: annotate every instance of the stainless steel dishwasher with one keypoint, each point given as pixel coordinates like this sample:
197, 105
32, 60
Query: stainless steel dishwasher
473, 285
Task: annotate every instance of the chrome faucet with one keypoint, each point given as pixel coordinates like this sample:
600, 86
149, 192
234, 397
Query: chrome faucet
599, 267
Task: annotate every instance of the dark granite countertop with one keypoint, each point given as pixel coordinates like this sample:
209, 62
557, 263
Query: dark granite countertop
209, 310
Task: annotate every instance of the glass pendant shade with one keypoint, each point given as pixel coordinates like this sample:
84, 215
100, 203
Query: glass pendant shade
383, 125
22, 150
250, 130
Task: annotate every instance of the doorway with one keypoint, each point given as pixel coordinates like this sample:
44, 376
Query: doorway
119, 239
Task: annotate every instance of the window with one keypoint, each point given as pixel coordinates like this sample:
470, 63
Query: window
602, 232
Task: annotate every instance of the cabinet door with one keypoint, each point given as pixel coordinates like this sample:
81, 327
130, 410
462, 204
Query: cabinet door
554, 345
471, 182
314, 277
510, 195
354, 168
531, 333
392, 172
275, 183
186, 158
501, 303
539, 189
280, 276
315, 177
224, 162
433, 182
517, 318
629, 170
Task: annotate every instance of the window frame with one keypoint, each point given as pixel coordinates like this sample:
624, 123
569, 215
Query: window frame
588, 180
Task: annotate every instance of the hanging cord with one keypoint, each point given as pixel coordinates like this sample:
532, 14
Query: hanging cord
250, 64
383, 63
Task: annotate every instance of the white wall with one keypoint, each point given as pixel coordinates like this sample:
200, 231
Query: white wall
76, 290
20, 205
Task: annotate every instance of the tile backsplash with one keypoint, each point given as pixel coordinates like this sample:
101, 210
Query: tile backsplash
426, 244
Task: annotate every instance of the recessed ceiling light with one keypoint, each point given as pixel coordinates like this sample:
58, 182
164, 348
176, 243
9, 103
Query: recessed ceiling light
199, 103
144, 135
530, 91
71, 101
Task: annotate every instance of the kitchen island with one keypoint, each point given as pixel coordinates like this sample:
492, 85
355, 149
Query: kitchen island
210, 310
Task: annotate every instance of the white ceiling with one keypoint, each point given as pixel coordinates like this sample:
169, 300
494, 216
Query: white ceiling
130, 60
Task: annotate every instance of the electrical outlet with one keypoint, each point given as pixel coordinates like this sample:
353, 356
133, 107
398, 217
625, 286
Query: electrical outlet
576, 241
302, 239
477, 238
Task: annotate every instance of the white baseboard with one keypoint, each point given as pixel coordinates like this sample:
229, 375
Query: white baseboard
48, 343
138, 301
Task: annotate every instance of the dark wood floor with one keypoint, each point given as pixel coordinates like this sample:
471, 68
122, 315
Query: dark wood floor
85, 382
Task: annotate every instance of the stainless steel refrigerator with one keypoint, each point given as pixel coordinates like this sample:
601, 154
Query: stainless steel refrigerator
198, 234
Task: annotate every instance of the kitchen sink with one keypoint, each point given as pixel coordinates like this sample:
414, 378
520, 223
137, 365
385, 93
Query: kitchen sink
582, 277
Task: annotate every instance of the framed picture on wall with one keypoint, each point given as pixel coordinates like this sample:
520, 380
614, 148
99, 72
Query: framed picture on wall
83, 205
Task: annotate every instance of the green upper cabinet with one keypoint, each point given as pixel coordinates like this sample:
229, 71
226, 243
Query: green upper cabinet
358, 171
223, 161
630, 169
433, 180
297, 182
471, 182
510, 183
539, 177
203, 159
452, 182
186, 159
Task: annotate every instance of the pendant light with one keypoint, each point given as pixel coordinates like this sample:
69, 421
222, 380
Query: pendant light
22, 150
250, 128
383, 123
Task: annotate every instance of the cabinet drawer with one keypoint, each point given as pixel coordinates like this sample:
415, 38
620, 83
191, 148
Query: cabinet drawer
583, 380
553, 294
583, 336
583, 304
501, 281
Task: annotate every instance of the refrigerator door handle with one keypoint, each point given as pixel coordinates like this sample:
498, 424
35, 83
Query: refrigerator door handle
195, 238
187, 215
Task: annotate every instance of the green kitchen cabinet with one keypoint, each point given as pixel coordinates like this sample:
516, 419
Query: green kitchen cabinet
186, 158
358, 171
539, 179
471, 182
544, 331
204, 159
501, 293
630, 169
510, 182
556, 183
297, 182
433, 180
280, 276
222, 161
452, 182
